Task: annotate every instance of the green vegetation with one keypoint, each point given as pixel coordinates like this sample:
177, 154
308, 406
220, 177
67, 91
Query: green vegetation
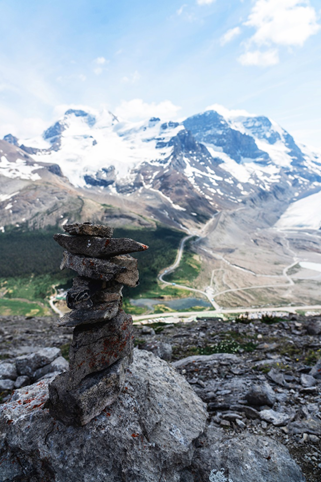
311, 357
188, 269
65, 351
134, 310
227, 347
30, 265
163, 244
24, 308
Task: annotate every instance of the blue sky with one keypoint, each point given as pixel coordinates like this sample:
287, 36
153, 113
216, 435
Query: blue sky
171, 58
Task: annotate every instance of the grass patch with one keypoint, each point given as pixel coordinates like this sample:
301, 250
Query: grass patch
65, 351
23, 308
188, 269
227, 347
311, 357
133, 310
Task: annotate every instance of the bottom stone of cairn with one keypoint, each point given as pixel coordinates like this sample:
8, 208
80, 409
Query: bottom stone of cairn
77, 405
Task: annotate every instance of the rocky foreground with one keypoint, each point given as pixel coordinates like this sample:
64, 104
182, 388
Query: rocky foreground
262, 398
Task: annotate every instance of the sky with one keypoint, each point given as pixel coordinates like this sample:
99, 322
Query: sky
169, 58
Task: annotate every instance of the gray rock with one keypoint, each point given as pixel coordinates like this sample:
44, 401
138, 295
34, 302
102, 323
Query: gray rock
148, 330
277, 377
77, 405
147, 434
59, 365
279, 419
82, 291
88, 229
96, 348
8, 371
96, 314
86, 292
249, 412
310, 425
22, 381
6, 384
131, 276
307, 380
207, 359
98, 247
91, 267
259, 395
316, 370
314, 327
28, 364
243, 458
164, 351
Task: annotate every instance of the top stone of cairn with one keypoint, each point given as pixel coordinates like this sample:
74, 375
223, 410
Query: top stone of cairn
88, 229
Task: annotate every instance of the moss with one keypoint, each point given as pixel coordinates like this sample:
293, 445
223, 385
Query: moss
65, 351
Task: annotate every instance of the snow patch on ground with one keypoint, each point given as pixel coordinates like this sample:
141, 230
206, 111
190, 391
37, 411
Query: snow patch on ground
302, 214
18, 169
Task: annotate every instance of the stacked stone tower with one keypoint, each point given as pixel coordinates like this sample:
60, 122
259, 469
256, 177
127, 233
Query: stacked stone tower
102, 344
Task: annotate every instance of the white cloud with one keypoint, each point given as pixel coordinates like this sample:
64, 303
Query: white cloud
205, 2
277, 23
100, 61
282, 22
98, 70
137, 109
230, 35
132, 78
180, 10
259, 58
220, 109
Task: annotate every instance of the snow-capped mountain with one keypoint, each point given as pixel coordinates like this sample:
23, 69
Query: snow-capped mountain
204, 163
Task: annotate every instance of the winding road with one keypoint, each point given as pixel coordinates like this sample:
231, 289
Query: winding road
176, 263
209, 292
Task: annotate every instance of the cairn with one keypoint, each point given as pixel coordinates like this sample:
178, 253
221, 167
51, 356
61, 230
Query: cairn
102, 344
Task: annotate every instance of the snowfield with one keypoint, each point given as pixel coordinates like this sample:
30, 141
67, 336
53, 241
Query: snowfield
302, 214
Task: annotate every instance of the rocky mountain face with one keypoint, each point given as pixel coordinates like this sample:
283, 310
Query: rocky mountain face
191, 169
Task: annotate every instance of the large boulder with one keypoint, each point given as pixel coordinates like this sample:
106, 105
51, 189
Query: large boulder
147, 435
245, 458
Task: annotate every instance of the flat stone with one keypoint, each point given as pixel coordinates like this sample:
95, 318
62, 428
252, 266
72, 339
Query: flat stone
96, 314
130, 277
314, 327
78, 405
8, 371
91, 267
88, 229
316, 370
241, 458
207, 359
82, 291
310, 425
86, 292
28, 364
59, 365
96, 348
22, 381
259, 395
6, 384
277, 377
279, 419
249, 412
307, 380
98, 247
